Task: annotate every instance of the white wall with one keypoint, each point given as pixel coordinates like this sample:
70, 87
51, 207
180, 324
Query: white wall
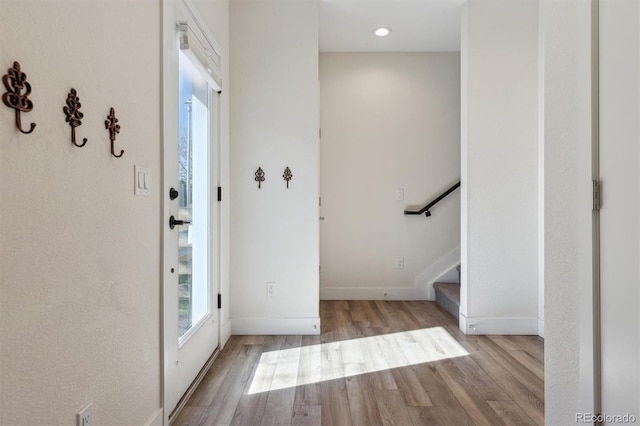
389, 121
79, 253
567, 195
274, 124
499, 167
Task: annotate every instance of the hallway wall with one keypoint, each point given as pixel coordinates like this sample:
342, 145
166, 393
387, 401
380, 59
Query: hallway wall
274, 124
389, 121
79, 253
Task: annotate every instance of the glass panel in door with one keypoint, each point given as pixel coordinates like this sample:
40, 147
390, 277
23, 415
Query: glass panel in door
193, 180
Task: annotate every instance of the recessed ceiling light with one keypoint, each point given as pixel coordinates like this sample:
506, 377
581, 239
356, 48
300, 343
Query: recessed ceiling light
382, 31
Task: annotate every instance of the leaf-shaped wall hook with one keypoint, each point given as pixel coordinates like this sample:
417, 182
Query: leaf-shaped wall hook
74, 116
287, 176
259, 177
111, 124
17, 95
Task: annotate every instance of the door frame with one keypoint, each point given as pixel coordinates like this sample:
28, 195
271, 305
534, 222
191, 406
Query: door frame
595, 220
169, 95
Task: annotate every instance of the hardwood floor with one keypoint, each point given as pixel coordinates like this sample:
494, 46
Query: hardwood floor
375, 363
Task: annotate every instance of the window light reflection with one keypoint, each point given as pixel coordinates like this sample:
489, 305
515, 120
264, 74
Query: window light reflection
329, 361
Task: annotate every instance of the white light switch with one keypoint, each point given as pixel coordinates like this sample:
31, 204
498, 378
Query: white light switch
142, 181
399, 194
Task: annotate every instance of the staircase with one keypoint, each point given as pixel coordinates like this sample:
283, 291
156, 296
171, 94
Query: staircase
448, 295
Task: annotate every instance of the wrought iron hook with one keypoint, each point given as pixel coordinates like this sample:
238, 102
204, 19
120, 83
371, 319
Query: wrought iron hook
73, 139
111, 124
74, 116
114, 153
19, 124
15, 81
287, 176
259, 177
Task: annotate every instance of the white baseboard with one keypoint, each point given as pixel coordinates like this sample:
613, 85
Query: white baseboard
481, 325
541, 328
275, 326
371, 293
156, 419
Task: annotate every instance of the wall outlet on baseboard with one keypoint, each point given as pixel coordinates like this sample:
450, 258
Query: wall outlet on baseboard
400, 263
271, 289
85, 417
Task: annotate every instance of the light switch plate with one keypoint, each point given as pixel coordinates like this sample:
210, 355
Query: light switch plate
85, 417
142, 181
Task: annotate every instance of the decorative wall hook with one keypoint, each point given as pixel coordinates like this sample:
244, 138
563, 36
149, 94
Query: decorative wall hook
15, 81
111, 124
259, 177
287, 175
74, 116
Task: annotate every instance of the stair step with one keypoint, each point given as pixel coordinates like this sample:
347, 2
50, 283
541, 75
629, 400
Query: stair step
448, 296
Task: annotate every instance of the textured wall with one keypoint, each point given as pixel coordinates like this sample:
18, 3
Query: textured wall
79, 254
567, 195
389, 121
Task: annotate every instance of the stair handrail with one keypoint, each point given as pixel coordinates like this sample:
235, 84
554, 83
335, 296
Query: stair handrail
426, 208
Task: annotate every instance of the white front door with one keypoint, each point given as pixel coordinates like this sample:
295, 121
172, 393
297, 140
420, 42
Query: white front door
191, 225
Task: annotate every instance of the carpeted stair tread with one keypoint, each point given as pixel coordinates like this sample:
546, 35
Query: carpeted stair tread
448, 296
450, 289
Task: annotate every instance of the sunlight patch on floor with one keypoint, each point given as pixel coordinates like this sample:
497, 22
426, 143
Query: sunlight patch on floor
329, 361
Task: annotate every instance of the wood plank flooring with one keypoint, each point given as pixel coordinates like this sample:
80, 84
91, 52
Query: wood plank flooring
375, 363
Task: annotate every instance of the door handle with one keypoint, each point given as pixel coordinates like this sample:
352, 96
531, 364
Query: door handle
173, 222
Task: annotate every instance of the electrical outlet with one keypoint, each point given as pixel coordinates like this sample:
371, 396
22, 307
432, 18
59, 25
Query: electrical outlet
85, 417
271, 289
400, 263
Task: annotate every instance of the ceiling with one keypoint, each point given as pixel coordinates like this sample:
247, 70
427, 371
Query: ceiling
417, 25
